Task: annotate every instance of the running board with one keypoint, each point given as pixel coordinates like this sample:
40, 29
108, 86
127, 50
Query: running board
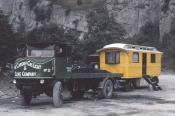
154, 84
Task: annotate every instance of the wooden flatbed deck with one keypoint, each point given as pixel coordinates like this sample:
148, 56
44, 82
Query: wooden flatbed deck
94, 75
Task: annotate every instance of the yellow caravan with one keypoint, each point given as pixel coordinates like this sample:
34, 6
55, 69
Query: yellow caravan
132, 61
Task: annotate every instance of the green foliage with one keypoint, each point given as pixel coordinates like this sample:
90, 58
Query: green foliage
165, 6
168, 47
53, 33
67, 12
75, 22
44, 33
102, 30
148, 36
79, 2
43, 13
7, 40
55, 1
32, 3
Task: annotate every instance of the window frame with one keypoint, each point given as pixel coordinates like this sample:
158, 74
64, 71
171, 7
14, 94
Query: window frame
115, 61
137, 59
153, 59
30, 52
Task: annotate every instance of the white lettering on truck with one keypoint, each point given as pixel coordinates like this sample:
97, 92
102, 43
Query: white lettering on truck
25, 74
28, 63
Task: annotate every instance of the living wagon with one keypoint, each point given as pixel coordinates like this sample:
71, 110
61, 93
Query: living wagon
133, 61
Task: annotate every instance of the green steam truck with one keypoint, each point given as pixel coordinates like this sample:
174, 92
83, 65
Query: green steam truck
48, 68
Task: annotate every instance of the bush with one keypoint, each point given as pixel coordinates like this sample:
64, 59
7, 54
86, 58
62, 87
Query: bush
43, 13
103, 30
53, 33
32, 3
168, 47
7, 41
165, 6
148, 36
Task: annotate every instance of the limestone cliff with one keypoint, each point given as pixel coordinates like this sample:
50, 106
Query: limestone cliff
132, 14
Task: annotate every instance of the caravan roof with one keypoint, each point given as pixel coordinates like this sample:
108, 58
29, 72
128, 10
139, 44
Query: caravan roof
130, 47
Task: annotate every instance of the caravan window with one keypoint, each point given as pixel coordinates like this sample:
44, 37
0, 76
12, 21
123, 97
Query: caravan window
153, 58
135, 57
113, 57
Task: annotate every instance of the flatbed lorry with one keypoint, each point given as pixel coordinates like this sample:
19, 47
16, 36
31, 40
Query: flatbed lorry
47, 68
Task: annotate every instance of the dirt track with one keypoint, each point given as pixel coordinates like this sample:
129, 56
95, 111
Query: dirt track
140, 102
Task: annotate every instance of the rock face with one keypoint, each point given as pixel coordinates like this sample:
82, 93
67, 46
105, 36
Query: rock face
132, 14
167, 15
20, 11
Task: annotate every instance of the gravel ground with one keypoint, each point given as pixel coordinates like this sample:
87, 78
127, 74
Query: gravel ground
140, 102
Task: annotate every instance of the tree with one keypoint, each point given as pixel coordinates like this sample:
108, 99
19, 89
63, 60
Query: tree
148, 36
103, 30
53, 33
32, 3
168, 44
7, 40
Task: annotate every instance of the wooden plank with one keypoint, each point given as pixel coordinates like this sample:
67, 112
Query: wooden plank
94, 75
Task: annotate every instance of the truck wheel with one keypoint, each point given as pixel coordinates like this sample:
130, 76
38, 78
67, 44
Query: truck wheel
57, 94
107, 89
26, 99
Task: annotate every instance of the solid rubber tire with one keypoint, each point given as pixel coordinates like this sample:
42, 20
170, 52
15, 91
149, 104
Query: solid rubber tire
57, 94
105, 94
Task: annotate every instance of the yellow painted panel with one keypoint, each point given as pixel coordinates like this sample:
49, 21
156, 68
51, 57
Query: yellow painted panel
154, 69
114, 68
134, 69
128, 68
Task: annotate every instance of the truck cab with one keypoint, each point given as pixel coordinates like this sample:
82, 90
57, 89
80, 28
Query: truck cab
37, 66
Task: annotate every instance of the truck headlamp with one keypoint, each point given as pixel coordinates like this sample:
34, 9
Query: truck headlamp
41, 81
14, 81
